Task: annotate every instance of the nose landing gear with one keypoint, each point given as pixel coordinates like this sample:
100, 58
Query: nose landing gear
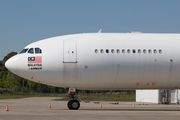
73, 104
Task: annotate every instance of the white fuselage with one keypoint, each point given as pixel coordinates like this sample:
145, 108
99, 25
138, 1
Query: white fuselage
76, 61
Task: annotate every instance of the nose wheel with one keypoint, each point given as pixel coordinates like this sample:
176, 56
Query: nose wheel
73, 104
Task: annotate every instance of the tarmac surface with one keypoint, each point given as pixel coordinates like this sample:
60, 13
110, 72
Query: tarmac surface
37, 109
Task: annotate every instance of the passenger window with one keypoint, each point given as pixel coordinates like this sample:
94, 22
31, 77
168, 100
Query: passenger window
149, 51
144, 51
38, 50
123, 51
112, 51
134, 51
107, 51
31, 50
118, 51
160, 51
24, 50
96, 50
155, 51
139, 51
128, 51
102, 51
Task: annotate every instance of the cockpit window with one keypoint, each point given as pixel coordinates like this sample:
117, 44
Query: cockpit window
24, 50
31, 50
38, 50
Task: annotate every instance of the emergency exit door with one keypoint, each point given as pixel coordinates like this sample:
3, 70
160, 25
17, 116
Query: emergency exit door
70, 52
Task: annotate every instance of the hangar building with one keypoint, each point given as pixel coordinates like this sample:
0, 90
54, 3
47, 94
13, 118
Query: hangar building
158, 96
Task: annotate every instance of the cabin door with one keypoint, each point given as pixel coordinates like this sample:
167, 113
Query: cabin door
70, 52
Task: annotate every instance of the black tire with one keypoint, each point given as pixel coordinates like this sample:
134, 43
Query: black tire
73, 105
69, 104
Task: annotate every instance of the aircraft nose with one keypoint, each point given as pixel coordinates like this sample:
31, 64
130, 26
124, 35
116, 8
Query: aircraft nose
12, 64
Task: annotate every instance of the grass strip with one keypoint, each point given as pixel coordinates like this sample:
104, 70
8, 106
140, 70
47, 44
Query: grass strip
8, 96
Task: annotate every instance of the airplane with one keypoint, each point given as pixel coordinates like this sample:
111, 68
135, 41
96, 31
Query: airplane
101, 61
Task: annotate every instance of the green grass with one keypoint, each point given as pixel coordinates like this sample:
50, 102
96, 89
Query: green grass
8, 96
96, 97
84, 97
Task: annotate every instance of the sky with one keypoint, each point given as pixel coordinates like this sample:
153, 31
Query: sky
25, 21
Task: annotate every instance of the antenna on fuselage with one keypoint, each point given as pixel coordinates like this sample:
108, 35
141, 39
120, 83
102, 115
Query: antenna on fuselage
99, 31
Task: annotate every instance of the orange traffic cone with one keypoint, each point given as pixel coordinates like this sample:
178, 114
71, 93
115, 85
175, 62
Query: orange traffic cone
49, 105
7, 108
101, 105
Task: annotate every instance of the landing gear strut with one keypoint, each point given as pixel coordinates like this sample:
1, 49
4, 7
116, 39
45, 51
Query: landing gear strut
73, 104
